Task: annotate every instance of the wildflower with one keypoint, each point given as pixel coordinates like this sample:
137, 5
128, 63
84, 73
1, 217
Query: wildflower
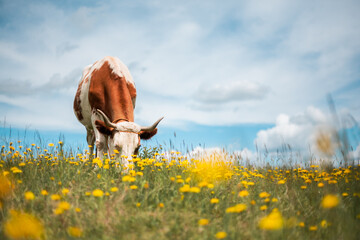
185, 188
29, 195
114, 189
238, 208
55, 197
203, 222
320, 185
324, 224
194, 190
133, 187
23, 226
161, 205
44, 192
313, 228
75, 232
303, 187
220, 235
264, 195
345, 194
274, 200
50, 144
301, 224
146, 185
64, 205
210, 185
5, 186
138, 204
65, 191
77, 209
281, 182
243, 193
252, 202
274, 221
330, 201
98, 193
263, 207
214, 200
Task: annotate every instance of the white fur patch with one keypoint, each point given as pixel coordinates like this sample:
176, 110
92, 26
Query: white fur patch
117, 66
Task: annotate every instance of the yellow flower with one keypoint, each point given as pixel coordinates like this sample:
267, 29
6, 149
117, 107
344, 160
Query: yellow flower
243, 193
324, 224
98, 193
55, 197
161, 205
23, 226
58, 211
203, 222
238, 208
65, 191
77, 209
263, 207
194, 190
313, 228
281, 182
345, 194
330, 201
320, 185
214, 200
138, 204
133, 187
252, 202
6, 186
146, 185
264, 195
64, 205
44, 192
303, 187
185, 188
114, 189
50, 144
220, 235
274, 200
301, 224
274, 221
29, 195
75, 232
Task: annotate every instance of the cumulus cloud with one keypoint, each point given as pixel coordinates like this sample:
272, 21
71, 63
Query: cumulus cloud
297, 131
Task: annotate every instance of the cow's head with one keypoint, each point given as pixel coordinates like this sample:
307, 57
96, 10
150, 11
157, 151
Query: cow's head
124, 136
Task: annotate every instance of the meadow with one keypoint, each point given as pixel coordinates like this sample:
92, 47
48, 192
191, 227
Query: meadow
51, 193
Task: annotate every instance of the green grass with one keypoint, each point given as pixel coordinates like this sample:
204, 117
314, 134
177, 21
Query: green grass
136, 214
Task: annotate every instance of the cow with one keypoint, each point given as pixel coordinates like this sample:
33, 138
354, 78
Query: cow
104, 103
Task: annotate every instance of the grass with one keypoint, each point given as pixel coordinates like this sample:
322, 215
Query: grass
83, 200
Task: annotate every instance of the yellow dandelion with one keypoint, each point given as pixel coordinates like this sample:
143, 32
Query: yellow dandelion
161, 205
264, 195
75, 232
313, 228
65, 191
77, 209
50, 144
274, 221
281, 182
243, 193
320, 185
44, 192
6, 186
203, 222
330, 201
324, 224
138, 204
29, 195
301, 224
97, 193
64, 205
214, 200
221, 235
114, 189
345, 194
133, 187
238, 208
263, 207
23, 226
55, 197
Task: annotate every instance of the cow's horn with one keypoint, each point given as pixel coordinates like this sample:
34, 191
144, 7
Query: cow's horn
106, 119
152, 127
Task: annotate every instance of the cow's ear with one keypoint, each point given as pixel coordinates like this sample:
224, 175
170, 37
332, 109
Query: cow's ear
101, 126
147, 134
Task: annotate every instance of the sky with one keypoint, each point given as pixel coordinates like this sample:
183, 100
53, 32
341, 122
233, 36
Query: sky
233, 74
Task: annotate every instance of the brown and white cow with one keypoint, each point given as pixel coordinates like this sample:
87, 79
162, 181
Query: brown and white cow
104, 104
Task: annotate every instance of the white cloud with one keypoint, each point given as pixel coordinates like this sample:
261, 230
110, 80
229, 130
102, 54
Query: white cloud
297, 131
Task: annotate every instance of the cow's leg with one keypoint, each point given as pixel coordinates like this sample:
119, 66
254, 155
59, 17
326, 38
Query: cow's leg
90, 138
101, 144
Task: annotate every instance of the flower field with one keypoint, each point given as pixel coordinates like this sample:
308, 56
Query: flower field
56, 194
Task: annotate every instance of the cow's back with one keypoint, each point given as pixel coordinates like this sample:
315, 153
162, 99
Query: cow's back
106, 85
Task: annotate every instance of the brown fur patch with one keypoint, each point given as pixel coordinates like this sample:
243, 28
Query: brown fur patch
111, 94
101, 126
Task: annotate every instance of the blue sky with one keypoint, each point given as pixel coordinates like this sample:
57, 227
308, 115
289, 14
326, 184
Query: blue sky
224, 74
